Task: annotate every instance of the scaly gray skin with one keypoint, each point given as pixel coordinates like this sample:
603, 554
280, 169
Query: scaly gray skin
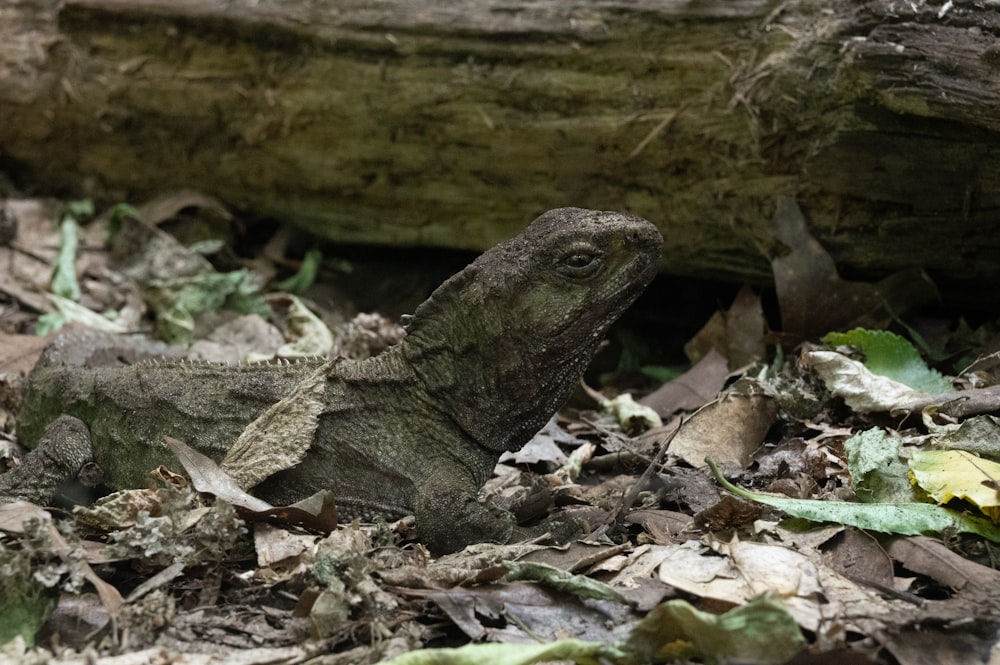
487, 360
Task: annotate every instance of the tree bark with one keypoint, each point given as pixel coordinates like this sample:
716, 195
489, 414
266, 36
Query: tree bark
428, 122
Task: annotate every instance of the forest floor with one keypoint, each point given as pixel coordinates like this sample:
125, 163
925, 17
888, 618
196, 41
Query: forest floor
826, 493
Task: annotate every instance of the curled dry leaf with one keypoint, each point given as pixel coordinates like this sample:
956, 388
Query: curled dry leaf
860, 389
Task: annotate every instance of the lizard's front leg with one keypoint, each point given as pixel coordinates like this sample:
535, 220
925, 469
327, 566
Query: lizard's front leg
450, 516
58, 458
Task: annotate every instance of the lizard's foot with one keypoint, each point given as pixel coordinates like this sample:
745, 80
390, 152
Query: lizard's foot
59, 457
560, 530
449, 517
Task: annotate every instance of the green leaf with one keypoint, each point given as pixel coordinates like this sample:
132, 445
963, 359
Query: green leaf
877, 473
890, 355
64, 281
661, 373
82, 209
760, 631
306, 275
908, 519
632, 416
26, 605
578, 585
49, 323
117, 215
207, 247
179, 301
577, 651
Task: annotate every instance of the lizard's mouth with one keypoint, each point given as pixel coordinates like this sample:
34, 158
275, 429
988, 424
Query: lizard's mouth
644, 246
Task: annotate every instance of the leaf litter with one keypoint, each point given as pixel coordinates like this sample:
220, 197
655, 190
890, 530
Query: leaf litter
839, 499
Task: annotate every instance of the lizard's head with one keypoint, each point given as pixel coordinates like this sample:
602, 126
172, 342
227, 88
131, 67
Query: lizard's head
572, 274
502, 344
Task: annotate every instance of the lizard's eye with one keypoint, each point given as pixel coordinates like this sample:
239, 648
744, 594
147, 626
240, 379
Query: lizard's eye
579, 262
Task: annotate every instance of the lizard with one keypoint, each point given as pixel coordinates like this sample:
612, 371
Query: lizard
416, 430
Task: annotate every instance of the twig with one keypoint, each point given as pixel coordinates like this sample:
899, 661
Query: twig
629, 498
656, 131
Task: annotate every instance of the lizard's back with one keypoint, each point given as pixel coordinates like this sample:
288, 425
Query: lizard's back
374, 436
129, 408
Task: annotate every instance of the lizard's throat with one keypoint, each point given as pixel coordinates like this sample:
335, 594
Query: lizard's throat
500, 394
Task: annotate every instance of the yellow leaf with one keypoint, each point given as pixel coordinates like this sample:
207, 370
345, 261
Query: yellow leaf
949, 474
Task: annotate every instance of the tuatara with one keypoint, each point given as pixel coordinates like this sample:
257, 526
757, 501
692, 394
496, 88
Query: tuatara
486, 360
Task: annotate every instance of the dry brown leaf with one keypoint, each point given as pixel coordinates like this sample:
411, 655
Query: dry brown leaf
729, 513
505, 612
274, 544
26, 263
12, 518
18, 353
710, 337
745, 328
815, 300
728, 430
317, 513
858, 556
692, 389
811, 590
147, 254
280, 437
207, 476
234, 341
738, 333
169, 205
932, 558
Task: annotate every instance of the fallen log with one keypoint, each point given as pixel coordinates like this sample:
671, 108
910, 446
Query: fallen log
428, 123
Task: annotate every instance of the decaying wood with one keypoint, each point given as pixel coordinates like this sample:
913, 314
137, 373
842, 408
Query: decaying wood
438, 123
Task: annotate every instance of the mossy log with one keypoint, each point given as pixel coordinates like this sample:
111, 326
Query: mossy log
429, 123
